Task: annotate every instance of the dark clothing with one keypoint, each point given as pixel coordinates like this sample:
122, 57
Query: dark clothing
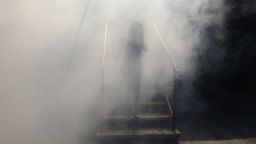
135, 47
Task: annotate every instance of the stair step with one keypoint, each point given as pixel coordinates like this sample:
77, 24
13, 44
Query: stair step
158, 135
152, 107
121, 111
160, 107
137, 133
152, 125
156, 121
143, 121
158, 98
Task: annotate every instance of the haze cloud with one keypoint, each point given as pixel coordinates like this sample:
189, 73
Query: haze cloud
46, 100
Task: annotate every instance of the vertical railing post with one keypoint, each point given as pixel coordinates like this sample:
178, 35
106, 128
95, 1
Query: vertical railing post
102, 76
174, 99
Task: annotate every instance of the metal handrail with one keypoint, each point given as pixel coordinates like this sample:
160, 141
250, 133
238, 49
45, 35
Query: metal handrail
103, 72
174, 72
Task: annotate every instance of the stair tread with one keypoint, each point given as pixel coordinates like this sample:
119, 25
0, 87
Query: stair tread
144, 116
139, 132
155, 103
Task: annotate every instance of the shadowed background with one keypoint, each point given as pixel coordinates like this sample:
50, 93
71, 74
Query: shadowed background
51, 60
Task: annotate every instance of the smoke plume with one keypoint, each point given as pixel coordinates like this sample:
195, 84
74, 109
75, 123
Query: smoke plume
51, 59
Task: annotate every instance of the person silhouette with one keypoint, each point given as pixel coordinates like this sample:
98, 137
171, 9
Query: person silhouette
134, 50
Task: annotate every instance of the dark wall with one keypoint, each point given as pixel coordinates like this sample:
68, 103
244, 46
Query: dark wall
226, 72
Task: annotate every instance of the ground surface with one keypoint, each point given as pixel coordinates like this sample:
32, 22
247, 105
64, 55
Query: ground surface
234, 141
218, 130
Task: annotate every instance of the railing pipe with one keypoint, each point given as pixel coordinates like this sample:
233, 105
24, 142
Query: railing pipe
171, 63
102, 74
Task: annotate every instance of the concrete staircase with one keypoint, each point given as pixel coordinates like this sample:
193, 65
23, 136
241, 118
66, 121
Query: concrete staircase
153, 125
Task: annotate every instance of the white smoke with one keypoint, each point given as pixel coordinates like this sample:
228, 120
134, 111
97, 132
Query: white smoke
43, 99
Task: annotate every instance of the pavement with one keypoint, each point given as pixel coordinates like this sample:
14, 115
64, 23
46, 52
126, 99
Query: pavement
233, 141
